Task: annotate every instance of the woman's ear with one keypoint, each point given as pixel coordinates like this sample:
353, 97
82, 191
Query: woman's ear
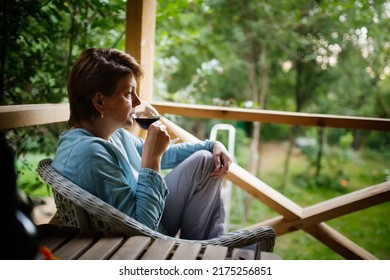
98, 102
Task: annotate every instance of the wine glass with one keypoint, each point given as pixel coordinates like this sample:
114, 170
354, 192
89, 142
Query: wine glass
145, 114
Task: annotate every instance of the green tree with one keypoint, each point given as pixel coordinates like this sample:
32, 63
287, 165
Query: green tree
283, 55
40, 41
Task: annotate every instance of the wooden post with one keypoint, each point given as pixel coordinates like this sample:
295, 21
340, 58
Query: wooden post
140, 36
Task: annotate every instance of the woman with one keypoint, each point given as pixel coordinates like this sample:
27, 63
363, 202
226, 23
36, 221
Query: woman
99, 155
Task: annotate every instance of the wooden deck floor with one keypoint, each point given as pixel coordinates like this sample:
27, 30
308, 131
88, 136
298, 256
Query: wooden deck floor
68, 243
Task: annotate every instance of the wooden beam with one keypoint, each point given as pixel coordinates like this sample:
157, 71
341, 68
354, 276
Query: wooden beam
270, 116
330, 209
324, 233
264, 193
279, 224
140, 37
339, 243
133, 28
346, 204
176, 131
15, 116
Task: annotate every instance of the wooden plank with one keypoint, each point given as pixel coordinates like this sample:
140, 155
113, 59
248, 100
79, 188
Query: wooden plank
270, 116
104, 247
187, 251
279, 224
132, 249
177, 131
77, 246
54, 237
139, 41
263, 192
159, 250
346, 204
243, 254
15, 116
215, 253
339, 243
133, 28
269, 256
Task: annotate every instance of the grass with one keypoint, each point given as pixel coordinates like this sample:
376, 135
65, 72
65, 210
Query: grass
28, 179
369, 228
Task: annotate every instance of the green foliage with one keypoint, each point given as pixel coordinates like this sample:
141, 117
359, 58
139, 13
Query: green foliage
333, 175
41, 40
28, 180
39, 43
271, 132
321, 181
379, 141
325, 43
203, 48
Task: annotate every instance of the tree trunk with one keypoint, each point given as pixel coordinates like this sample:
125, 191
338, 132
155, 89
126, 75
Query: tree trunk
260, 96
253, 160
290, 148
298, 104
321, 137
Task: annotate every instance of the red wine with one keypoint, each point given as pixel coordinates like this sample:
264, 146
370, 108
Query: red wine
146, 122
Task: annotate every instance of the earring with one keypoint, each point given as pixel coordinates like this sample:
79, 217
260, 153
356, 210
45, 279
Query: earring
102, 115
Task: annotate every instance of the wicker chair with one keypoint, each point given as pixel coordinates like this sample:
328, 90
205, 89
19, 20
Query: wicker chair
79, 208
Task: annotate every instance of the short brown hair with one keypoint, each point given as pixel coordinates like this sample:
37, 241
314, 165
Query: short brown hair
97, 70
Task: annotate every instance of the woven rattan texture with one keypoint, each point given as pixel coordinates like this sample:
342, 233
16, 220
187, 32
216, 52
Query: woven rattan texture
74, 202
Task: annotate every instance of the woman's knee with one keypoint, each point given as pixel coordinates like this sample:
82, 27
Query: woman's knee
205, 158
205, 165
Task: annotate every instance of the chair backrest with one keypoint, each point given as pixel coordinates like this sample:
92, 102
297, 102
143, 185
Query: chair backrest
69, 213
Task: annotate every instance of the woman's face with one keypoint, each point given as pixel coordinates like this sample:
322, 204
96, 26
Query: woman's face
118, 106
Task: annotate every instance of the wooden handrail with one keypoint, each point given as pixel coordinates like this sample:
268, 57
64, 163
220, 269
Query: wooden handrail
14, 116
269, 116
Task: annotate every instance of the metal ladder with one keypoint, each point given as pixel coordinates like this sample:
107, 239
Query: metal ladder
226, 190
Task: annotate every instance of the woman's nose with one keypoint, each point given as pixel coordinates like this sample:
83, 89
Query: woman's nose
136, 100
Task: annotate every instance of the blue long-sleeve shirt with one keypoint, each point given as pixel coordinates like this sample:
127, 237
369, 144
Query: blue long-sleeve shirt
111, 170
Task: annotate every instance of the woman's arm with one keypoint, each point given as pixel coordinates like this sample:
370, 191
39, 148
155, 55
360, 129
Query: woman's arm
179, 152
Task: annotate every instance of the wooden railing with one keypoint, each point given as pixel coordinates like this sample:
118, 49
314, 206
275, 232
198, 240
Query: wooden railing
292, 216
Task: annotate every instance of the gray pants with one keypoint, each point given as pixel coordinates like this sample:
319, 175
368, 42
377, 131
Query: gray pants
194, 205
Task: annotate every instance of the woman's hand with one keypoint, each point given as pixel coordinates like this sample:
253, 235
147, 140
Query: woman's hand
222, 160
156, 143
